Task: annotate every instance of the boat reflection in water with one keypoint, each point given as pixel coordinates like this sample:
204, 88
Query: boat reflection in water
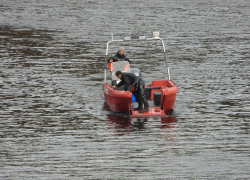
126, 123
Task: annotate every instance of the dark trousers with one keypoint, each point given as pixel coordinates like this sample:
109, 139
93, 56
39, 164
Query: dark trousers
139, 94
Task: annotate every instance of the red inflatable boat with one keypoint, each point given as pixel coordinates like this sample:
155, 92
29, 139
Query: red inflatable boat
161, 94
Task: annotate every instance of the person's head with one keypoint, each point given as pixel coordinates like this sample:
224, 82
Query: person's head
118, 74
120, 50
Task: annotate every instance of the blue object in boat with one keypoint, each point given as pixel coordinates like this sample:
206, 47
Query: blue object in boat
133, 98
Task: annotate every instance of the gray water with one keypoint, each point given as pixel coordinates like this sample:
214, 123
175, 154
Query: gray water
54, 123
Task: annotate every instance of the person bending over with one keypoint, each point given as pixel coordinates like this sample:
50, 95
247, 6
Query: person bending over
138, 84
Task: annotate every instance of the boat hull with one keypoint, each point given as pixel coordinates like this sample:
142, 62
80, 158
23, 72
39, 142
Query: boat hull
117, 101
121, 102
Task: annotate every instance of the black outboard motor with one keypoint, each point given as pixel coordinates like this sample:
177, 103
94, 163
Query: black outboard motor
135, 71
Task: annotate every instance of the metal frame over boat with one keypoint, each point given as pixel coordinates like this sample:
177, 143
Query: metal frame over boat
161, 94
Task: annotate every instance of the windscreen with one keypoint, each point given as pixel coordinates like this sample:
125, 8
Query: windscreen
122, 66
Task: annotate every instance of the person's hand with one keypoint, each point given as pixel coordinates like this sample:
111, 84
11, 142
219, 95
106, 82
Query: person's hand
114, 87
122, 92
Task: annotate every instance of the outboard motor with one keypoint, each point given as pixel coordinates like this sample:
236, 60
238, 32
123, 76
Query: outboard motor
135, 71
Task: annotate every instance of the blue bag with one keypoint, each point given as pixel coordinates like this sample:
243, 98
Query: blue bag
133, 98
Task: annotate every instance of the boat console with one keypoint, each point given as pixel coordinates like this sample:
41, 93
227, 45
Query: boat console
122, 66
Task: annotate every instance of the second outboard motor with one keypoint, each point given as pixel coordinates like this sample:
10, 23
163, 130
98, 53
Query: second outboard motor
135, 71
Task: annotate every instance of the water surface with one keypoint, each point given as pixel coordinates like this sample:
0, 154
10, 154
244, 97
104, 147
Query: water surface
54, 123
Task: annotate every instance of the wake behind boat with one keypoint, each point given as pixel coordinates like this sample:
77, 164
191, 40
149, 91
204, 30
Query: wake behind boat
160, 94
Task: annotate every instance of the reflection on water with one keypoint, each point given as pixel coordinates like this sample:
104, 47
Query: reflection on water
122, 121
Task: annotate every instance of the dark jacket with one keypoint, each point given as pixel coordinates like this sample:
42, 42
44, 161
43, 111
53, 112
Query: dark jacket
127, 79
119, 57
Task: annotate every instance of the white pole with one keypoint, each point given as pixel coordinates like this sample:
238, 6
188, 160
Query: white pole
166, 59
105, 76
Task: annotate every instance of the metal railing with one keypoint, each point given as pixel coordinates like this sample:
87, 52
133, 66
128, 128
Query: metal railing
136, 38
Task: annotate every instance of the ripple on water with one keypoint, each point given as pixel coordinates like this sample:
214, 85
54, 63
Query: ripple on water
54, 123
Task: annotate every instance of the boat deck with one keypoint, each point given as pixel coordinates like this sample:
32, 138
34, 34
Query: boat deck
151, 103
152, 111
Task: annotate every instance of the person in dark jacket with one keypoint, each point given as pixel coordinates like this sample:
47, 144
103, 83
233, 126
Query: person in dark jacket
130, 79
120, 56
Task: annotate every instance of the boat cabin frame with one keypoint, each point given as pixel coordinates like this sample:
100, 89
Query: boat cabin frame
136, 38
